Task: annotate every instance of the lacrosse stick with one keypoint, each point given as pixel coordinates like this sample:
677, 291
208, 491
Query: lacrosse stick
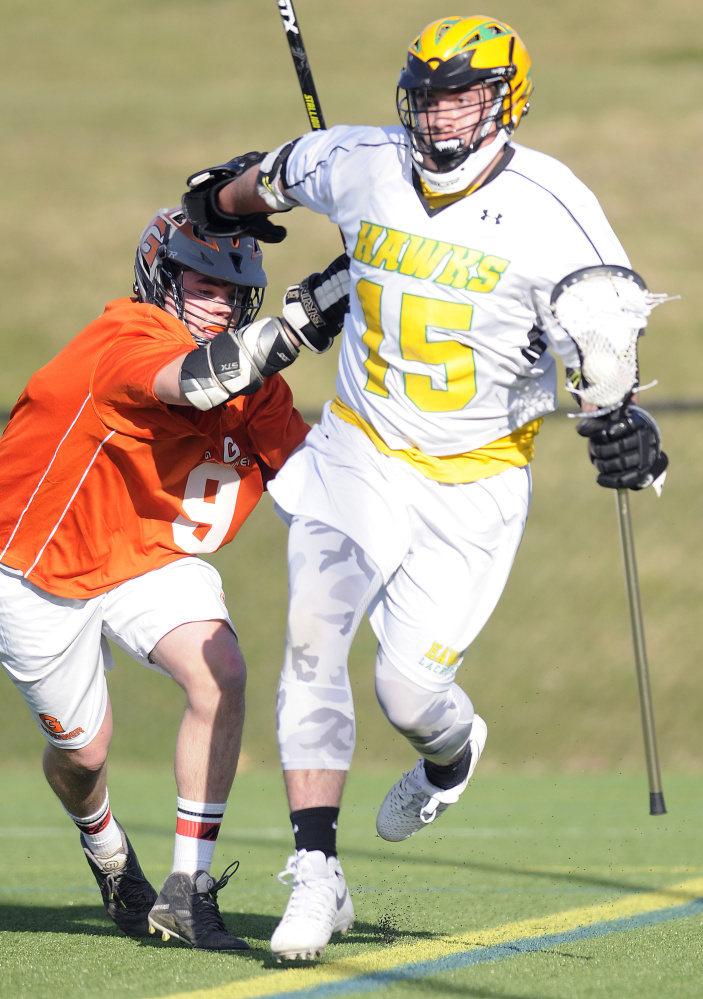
656, 796
302, 66
604, 310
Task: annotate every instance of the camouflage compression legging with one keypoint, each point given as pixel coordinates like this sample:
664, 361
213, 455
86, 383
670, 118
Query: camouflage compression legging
332, 584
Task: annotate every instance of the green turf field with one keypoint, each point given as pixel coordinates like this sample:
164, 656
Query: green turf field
531, 887
106, 108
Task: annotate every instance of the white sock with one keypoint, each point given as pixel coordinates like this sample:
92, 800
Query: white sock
197, 827
100, 831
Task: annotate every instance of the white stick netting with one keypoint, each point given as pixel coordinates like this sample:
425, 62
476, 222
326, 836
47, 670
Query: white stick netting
604, 311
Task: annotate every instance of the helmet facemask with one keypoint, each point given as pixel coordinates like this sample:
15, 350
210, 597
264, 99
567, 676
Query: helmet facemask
184, 305
443, 149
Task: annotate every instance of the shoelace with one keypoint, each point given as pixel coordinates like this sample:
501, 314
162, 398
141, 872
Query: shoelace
206, 901
410, 787
287, 876
129, 889
307, 900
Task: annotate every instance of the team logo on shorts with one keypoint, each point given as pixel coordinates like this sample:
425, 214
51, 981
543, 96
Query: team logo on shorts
441, 659
56, 730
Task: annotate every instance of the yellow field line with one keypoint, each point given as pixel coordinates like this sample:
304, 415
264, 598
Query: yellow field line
293, 979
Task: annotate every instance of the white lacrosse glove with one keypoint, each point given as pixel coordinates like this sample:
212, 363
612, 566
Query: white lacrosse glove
315, 308
236, 362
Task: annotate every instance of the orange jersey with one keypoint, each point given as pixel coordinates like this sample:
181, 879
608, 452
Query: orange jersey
101, 482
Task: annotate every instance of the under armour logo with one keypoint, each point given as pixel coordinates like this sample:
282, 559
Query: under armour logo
486, 215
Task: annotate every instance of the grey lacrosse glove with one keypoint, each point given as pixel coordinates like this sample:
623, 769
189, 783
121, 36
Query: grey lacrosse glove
202, 210
315, 308
625, 448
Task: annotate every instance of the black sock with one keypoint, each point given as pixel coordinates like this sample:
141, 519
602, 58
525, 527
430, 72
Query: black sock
316, 829
450, 775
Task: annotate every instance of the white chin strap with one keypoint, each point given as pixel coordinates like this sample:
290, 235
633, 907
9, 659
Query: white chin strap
454, 181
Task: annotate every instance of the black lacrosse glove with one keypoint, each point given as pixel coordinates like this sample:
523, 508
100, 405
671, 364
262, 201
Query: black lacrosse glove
203, 212
625, 447
315, 308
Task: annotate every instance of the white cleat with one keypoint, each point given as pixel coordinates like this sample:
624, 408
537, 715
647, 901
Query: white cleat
412, 802
319, 906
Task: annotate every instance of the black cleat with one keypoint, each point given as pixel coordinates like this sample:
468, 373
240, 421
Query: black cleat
187, 909
127, 895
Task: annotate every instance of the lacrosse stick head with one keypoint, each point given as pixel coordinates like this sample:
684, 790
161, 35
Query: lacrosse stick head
604, 309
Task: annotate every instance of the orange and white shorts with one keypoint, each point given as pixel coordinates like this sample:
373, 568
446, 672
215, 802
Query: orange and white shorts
55, 649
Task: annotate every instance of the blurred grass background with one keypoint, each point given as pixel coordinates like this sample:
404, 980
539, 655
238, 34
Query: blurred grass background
107, 107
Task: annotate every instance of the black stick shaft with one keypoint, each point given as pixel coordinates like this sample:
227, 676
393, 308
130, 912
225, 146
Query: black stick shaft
302, 66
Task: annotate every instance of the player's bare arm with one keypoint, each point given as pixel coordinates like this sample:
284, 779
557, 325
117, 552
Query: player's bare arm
240, 196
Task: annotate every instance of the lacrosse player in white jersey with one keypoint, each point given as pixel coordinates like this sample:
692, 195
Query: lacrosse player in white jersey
408, 501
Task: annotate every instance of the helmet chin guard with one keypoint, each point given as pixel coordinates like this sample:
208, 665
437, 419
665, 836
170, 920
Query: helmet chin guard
461, 177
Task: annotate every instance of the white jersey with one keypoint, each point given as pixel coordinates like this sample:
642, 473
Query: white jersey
444, 348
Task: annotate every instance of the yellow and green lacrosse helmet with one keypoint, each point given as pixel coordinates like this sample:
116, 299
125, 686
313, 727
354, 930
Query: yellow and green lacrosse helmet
456, 53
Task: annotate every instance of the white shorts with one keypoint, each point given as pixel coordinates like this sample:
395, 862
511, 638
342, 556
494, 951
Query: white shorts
55, 649
444, 551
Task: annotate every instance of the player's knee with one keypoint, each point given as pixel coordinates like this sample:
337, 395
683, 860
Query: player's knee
410, 721
234, 679
408, 712
423, 716
80, 764
225, 679
211, 674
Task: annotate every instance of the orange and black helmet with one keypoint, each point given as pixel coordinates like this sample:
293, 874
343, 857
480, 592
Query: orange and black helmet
170, 244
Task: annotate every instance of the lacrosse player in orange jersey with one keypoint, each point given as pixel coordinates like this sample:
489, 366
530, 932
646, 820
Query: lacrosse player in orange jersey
410, 499
145, 442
